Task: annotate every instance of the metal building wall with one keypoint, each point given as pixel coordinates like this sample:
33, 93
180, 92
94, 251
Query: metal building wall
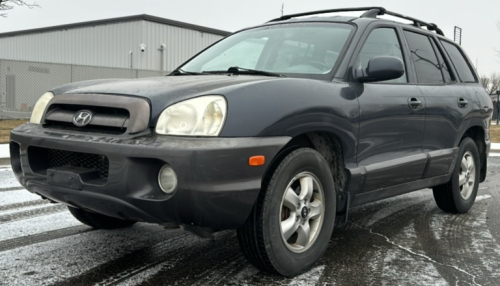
180, 45
103, 45
108, 45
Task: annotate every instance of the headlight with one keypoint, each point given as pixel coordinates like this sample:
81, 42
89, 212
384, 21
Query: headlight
39, 109
201, 116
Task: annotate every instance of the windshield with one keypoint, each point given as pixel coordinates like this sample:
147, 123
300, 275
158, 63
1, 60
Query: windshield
291, 49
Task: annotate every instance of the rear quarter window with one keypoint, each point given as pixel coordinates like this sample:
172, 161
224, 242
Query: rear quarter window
461, 64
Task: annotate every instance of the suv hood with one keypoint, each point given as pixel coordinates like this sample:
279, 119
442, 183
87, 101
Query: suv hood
163, 91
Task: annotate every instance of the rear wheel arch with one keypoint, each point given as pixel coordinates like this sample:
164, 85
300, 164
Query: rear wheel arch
477, 134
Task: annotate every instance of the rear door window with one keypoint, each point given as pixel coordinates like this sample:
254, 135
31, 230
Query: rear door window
424, 58
448, 77
461, 64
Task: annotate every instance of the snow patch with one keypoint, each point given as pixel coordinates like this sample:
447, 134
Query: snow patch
389, 210
4, 151
495, 146
18, 212
7, 178
311, 277
420, 255
18, 196
144, 275
482, 197
37, 225
241, 277
57, 256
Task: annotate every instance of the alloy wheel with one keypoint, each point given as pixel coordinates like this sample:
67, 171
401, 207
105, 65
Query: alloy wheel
301, 212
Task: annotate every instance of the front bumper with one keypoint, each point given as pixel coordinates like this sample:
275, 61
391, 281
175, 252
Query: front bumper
216, 186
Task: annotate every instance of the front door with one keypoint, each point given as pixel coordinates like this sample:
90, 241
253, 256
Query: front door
392, 119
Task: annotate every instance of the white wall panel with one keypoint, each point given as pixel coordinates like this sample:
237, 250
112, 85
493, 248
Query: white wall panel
181, 44
109, 45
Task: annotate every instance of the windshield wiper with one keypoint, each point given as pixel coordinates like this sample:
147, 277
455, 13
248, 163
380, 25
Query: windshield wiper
183, 72
238, 70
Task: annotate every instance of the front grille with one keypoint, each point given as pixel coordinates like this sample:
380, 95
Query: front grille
66, 126
106, 120
42, 159
110, 114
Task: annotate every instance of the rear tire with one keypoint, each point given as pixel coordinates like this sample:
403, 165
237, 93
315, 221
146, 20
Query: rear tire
96, 220
459, 194
293, 219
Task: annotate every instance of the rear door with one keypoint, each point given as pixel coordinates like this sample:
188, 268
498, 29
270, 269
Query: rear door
446, 101
392, 117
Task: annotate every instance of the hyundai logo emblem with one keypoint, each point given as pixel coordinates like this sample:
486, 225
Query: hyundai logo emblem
82, 118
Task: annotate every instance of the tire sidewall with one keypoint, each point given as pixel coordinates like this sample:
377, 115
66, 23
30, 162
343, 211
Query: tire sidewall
290, 263
461, 204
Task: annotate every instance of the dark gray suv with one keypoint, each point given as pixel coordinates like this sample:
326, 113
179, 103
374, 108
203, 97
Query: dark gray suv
276, 131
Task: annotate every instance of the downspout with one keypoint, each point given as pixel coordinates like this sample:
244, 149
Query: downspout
162, 49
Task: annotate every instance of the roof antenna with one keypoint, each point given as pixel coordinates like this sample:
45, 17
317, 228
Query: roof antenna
282, 9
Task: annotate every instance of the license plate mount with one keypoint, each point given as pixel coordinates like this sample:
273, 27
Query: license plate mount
69, 176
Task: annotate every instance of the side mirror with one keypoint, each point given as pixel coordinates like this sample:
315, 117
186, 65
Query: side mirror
381, 68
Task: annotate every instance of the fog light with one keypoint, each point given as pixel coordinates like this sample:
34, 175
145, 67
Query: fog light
167, 179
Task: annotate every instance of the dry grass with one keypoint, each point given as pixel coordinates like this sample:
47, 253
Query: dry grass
495, 133
6, 126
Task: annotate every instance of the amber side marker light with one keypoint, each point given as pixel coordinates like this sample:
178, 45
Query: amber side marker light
256, 161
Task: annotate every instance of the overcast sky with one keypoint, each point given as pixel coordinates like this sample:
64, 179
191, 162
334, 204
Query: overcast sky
477, 18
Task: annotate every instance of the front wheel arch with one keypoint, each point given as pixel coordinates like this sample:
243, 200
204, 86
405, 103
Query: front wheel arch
326, 143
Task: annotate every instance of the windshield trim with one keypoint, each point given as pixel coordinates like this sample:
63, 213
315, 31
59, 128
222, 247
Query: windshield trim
328, 76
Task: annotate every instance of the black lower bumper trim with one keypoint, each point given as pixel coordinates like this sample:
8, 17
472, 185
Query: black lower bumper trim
216, 186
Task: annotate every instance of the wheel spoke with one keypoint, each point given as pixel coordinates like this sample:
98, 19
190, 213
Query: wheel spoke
461, 179
315, 209
291, 200
470, 163
467, 189
463, 164
304, 234
306, 188
471, 184
289, 226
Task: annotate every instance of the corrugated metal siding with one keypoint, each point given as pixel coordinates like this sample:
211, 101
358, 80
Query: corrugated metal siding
109, 45
104, 45
181, 44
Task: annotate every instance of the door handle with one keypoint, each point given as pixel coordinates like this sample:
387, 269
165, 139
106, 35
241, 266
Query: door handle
462, 103
414, 103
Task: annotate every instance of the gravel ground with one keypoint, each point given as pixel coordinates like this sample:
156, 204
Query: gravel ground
404, 240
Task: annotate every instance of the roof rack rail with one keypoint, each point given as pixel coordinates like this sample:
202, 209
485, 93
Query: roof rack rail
417, 22
371, 12
287, 17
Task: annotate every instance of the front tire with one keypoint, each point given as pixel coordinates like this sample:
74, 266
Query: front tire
459, 194
96, 220
293, 219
